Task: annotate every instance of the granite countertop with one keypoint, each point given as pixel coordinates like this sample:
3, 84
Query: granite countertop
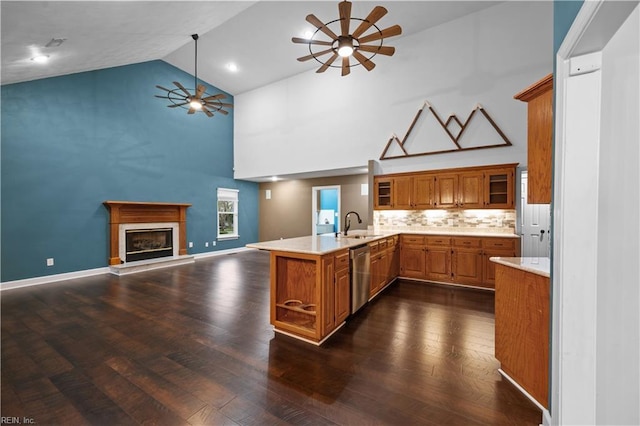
536, 265
318, 244
327, 243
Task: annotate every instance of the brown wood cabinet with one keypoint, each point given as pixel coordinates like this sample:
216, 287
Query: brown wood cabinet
310, 294
412, 256
466, 254
522, 329
466, 188
438, 260
385, 263
458, 260
383, 190
539, 98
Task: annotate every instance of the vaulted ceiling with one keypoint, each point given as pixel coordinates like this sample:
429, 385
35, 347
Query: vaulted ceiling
255, 35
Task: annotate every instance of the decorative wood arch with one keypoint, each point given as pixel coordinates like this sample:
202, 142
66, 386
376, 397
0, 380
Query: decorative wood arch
445, 126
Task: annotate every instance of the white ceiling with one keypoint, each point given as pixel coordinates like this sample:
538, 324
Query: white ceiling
256, 35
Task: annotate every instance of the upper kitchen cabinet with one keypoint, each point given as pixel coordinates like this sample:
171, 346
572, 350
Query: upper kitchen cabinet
486, 187
405, 192
498, 188
383, 190
539, 98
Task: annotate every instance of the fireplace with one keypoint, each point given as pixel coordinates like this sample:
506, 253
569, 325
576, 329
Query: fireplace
140, 231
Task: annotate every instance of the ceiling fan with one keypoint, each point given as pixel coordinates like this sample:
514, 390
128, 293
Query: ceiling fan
345, 44
200, 100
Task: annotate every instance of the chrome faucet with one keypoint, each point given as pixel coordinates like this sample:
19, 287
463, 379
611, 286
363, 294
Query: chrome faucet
347, 221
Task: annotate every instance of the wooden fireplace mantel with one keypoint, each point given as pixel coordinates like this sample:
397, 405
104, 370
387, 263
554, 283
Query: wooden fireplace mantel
144, 212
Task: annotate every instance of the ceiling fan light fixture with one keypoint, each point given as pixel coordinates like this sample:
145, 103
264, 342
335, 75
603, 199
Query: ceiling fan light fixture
40, 59
196, 104
345, 46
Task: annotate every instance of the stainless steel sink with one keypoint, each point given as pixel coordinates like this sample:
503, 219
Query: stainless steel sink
361, 237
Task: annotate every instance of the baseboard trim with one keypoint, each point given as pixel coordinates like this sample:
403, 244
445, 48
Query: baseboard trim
524, 392
201, 256
48, 279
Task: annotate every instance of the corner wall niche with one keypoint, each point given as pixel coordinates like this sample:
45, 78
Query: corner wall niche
132, 215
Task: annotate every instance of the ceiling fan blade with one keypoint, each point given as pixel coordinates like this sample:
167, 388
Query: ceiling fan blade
306, 58
321, 26
344, 8
217, 105
191, 111
374, 16
181, 87
367, 63
214, 97
206, 111
327, 64
200, 91
383, 50
386, 33
163, 88
346, 69
221, 111
308, 41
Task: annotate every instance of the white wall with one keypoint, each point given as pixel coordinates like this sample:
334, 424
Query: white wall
618, 292
314, 122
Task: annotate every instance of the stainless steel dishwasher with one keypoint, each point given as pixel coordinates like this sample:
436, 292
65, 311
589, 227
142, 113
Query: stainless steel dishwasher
359, 267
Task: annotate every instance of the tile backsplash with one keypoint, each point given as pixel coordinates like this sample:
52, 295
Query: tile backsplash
499, 221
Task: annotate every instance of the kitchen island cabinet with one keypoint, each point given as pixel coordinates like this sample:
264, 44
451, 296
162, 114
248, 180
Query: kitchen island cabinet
522, 323
310, 285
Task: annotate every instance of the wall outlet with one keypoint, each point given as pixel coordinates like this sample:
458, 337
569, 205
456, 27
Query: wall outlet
50, 261
190, 244
214, 243
206, 244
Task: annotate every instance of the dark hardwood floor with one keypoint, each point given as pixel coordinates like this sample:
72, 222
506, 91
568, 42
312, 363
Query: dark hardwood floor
192, 345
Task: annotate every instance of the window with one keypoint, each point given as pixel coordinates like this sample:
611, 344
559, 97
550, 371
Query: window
227, 213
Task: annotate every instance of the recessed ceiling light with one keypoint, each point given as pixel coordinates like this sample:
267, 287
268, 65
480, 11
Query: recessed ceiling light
232, 67
41, 59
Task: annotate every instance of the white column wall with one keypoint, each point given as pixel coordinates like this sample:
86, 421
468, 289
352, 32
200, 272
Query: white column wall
618, 292
314, 122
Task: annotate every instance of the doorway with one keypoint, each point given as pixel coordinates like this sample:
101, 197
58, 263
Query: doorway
325, 209
535, 235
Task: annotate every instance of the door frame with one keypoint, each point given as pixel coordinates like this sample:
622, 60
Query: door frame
314, 205
577, 287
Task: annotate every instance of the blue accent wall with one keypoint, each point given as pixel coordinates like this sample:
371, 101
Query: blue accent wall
69, 143
564, 13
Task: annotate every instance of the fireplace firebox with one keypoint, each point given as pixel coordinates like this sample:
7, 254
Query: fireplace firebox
143, 244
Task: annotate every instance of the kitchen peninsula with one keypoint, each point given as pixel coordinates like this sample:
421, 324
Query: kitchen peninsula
311, 282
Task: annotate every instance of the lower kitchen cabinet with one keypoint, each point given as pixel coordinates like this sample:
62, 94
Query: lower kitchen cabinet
458, 260
342, 291
385, 262
438, 258
412, 256
466, 254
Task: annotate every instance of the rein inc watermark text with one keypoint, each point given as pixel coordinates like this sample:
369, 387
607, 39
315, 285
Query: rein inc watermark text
16, 420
